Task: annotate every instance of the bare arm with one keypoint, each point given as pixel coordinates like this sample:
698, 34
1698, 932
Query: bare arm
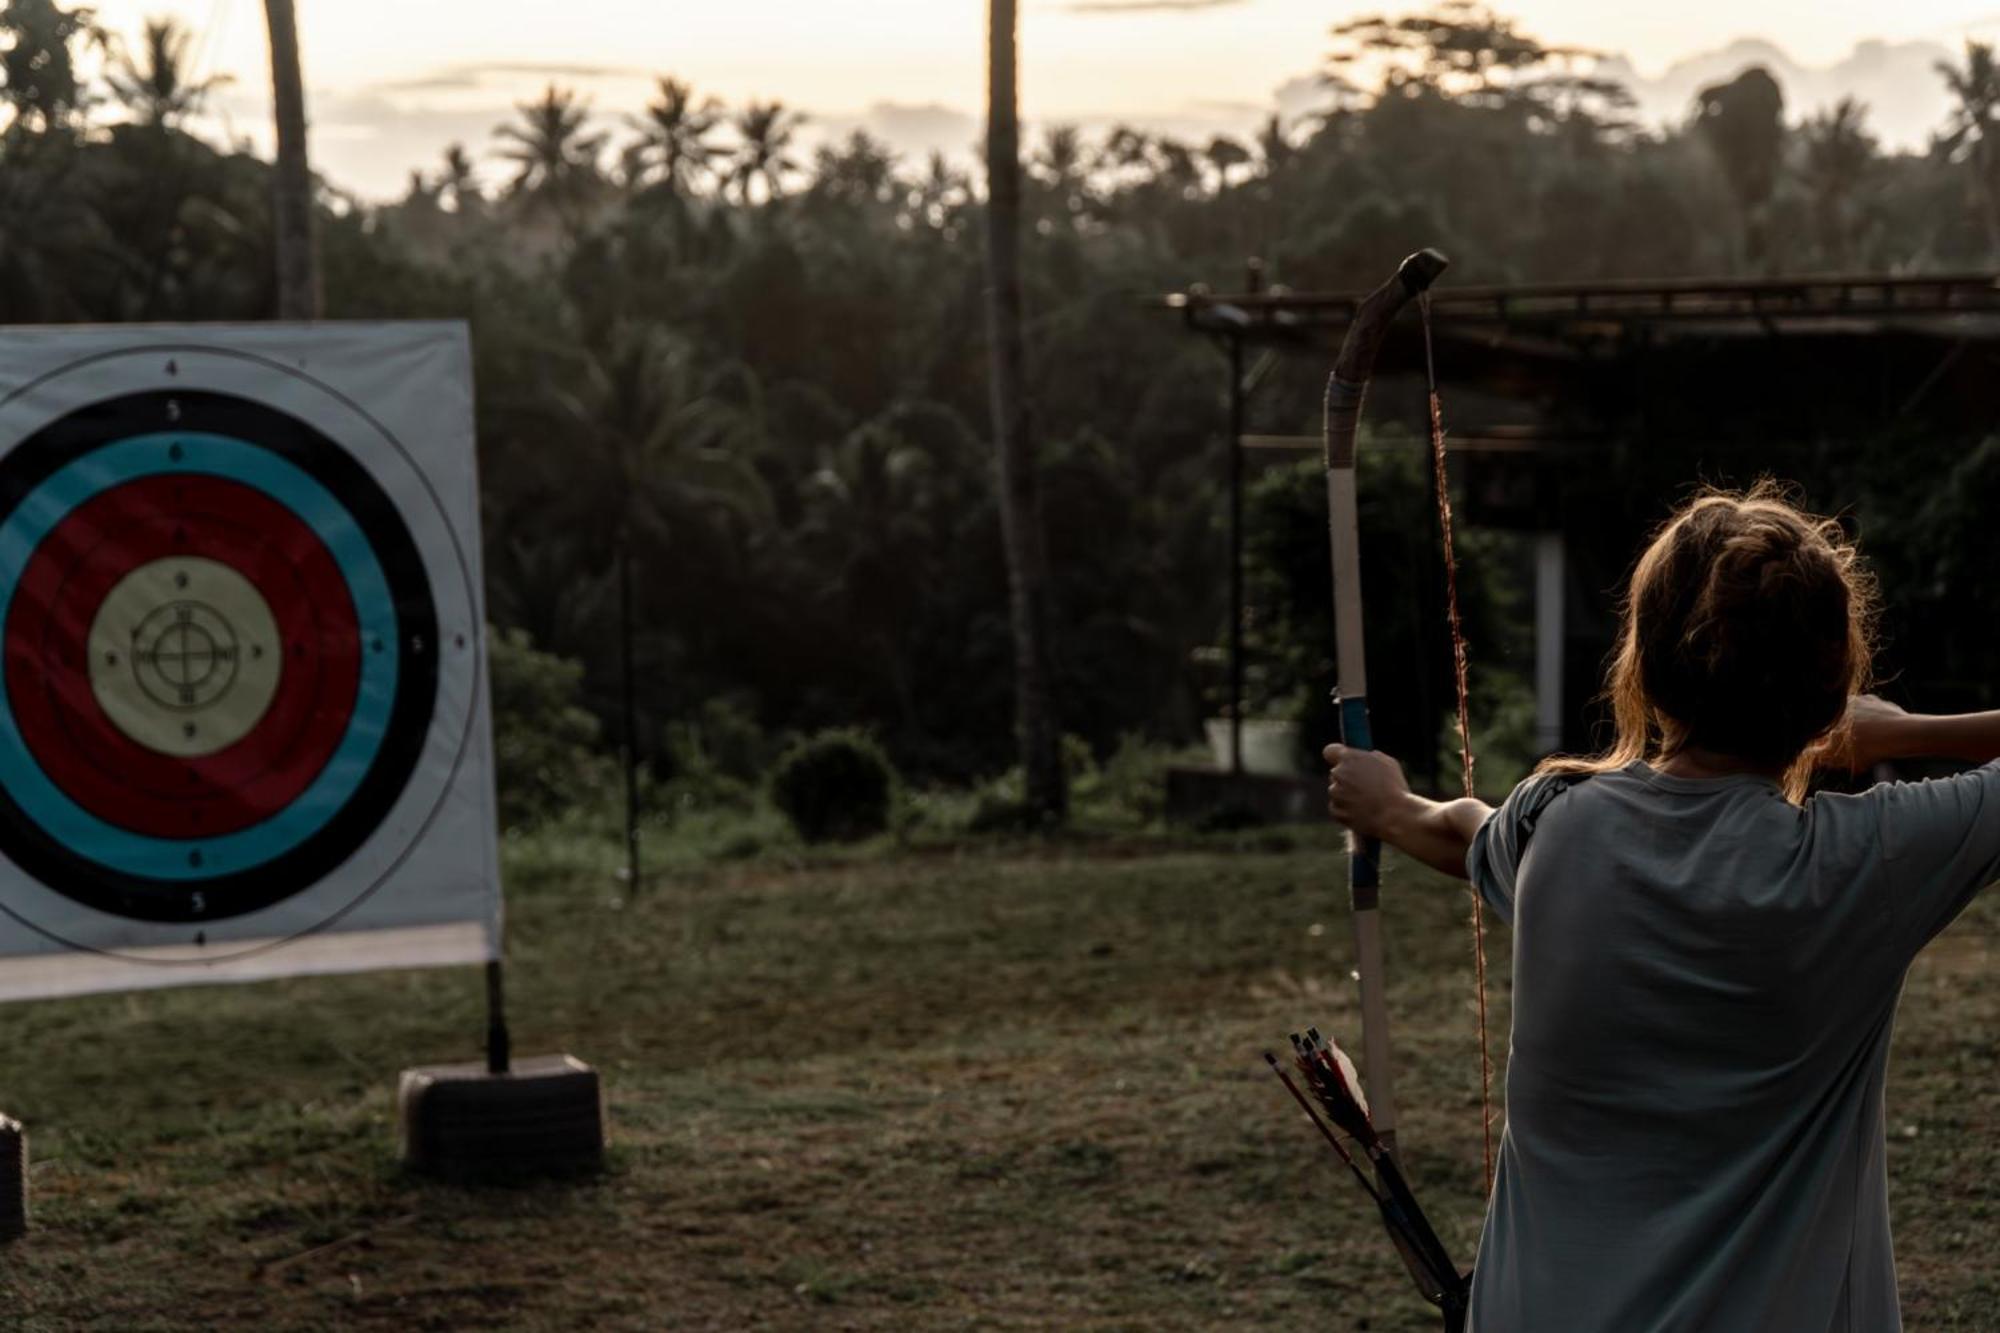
1879, 731
1972, 737
1366, 791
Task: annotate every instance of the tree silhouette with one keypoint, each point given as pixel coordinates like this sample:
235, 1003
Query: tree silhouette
874, 586
1225, 155
860, 171
51, 241
940, 197
1062, 168
1463, 51
1838, 156
554, 160
1037, 734
1127, 154
1743, 122
1275, 149
458, 181
1972, 135
764, 131
674, 132
156, 87
37, 69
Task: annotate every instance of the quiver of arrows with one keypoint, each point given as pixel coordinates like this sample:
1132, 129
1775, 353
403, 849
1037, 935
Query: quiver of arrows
1333, 1093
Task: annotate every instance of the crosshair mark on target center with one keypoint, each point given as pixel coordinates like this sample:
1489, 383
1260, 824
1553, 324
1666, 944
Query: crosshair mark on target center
185, 656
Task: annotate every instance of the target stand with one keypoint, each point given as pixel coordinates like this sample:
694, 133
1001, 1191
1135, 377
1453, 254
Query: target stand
502, 1119
245, 726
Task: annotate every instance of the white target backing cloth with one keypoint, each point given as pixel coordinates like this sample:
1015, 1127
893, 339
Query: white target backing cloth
243, 705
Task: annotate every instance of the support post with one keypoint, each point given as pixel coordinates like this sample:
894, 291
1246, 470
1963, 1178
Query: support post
630, 710
499, 1048
1549, 641
1236, 554
13, 1180
292, 213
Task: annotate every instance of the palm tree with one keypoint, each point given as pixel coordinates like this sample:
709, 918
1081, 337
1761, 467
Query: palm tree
665, 434
555, 162
1060, 158
939, 196
294, 228
862, 170
156, 88
1743, 121
764, 131
1225, 155
458, 181
1059, 164
1839, 152
1972, 135
658, 446
1178, 168
1126, 151
422, 192
37, 69
872, 515
1036, 733
49, 234
1275, 149
675, 130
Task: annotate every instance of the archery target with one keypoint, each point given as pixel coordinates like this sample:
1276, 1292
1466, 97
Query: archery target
240, 661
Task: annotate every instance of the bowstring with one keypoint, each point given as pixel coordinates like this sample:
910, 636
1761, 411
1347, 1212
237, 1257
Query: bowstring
1460, 679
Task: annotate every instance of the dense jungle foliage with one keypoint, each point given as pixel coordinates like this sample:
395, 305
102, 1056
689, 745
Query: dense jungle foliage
760, 373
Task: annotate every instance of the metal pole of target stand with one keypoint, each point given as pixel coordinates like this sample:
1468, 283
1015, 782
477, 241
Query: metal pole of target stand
13, 1180
630, 710
499, 1052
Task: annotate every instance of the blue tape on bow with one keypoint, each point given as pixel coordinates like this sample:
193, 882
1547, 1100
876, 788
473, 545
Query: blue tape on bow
1354, 723
1364, 855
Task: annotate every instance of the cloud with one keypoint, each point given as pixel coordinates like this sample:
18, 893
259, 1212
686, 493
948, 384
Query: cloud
1146, 6
458, 78
922, 129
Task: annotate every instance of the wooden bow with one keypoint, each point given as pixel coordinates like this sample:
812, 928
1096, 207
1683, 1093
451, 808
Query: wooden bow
1344, 392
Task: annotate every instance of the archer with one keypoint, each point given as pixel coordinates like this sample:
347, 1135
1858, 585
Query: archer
1707, 959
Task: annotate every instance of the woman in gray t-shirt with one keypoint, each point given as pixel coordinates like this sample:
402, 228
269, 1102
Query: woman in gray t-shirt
1706, 958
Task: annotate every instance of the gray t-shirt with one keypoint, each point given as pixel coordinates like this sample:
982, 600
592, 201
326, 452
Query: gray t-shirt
1705, 978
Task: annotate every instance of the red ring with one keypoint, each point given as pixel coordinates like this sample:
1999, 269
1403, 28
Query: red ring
47, 641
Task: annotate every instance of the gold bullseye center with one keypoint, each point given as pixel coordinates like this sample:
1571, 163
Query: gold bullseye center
185, 656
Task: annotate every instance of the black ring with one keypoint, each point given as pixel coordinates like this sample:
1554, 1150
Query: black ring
74, 875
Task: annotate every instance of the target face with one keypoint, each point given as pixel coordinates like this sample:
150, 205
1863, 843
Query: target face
221, 648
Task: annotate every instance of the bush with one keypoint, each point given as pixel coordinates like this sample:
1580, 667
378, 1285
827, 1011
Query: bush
544, 743
716, 756
1129, 789
835, 786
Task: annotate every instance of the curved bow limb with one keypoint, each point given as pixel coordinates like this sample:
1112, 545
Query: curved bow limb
1344, 391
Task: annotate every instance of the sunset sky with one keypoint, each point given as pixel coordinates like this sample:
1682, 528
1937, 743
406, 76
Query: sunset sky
388, 77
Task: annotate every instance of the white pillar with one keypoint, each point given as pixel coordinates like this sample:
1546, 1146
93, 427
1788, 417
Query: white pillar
1548, 641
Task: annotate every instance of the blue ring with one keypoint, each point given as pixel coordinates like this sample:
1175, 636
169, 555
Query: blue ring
234, 460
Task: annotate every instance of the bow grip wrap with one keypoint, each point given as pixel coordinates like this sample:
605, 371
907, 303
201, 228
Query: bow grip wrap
1364, 876
1363, 343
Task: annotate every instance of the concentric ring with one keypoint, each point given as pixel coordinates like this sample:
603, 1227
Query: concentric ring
92, 759
92, 496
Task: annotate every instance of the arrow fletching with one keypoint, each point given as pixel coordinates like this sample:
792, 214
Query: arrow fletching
1337, 1085
1331, 1081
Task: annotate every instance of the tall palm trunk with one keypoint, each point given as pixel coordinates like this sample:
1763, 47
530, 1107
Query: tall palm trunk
298, 267
1035, 727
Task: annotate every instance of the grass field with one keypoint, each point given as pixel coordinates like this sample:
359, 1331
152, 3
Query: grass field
990, 1087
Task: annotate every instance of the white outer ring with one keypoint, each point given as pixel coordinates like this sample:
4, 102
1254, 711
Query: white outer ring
447, 565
